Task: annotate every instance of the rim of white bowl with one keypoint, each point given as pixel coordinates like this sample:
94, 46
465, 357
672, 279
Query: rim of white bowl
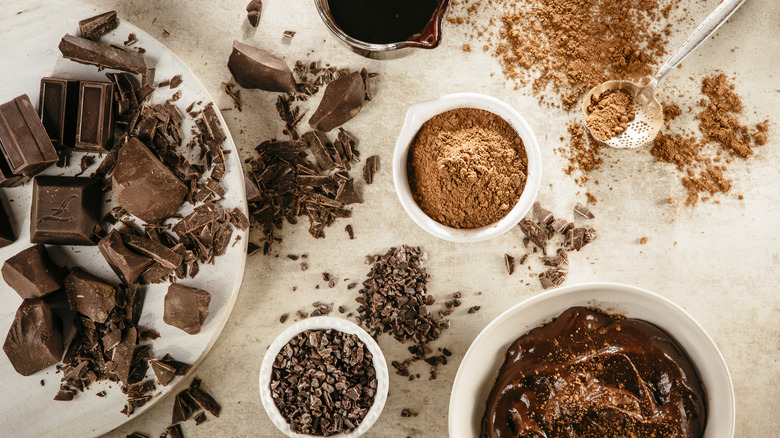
717, 368
324, 323
420, 113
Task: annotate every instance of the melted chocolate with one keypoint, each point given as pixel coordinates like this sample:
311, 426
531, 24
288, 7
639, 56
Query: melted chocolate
587, 374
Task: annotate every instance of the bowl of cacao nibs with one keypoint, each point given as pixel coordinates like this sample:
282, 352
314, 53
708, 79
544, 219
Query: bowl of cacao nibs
324, 376
466, 167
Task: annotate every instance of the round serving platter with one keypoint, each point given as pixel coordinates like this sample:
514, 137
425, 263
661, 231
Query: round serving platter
30, 32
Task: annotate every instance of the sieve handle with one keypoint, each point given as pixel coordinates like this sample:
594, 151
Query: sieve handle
704, 31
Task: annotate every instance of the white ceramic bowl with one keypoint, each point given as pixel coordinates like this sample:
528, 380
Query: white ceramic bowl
480, 366
424, 111
324, 323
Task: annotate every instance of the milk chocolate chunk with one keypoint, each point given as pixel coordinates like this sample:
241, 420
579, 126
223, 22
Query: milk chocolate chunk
186, 307
34, 340
89, 295
126, 263
256, 68
7, 235
95, 27
101, 55
341, 101
143, 185
65, 210
163, 371
95, 122
26, 147
58, 107
32, 274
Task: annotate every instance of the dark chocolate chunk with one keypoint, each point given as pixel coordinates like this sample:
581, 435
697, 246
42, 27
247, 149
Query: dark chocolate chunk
347, 194
93, 28
543, 216
253, 11
89, 295
122, 355
559, 225
163, 371
239, 219
213, 126
58, 107
65, 395
7, 235
65, 210
186, 307
552, 277
25, 145
370, 168
509, 261
317, 149
256, 68
252, 192
7, 178
537, 235
341, 101
183, 407
32, 274
143, 185
200, 418
204, 399
126, 263
254, 5
583, 211
174, 431
34, 340
350, 231
153, 249
175, 81
101, 55
95, 122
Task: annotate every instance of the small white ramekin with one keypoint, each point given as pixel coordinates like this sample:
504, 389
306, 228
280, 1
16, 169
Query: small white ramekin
424, 111
324, 323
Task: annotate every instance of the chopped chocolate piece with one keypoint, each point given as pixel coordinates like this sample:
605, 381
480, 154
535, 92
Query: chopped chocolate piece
32, 274
370, 168
65, 395
205, 400
537, 235
34, 340
543, 216
559, 225
341, 101
149, 335
254, 6
240, 219
509, 261
163, 371
182, 407
283, 318
153, 249
7, 235
200, 418
58, 107
317, 149
186, 307
24, 143
552, 277
127, 264
131, 39
65, 210
253, 17
8, 179
122, 355
213, 125
143, 185
575, 238
583, 211
350, 231
174, 431
256, 68
347, 194
89, 295
252, 192
101, 55
93, 28
175, 81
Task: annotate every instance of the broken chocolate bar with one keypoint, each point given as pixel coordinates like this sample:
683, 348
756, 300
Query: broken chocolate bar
89, 295
186, 307
102, 55
34, 340
143, 185
7, 235
65, 210
32, 274
95, 122
257, 68
7, 178
58, 107
127, 264
341, 101
95, 27
25, 145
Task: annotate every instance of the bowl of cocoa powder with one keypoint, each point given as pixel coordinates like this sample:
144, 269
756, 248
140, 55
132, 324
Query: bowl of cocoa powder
466, 167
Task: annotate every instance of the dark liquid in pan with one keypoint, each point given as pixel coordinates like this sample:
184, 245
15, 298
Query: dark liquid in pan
382, 21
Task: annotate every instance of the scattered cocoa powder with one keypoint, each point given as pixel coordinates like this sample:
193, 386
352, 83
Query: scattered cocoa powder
467, 168
582, 152
608, 114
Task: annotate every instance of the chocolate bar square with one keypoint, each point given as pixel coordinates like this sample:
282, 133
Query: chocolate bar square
32, 274
58, 107
23, 140
65, 210
95, 123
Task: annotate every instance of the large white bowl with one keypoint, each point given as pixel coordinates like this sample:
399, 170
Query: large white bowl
324, 323
480, 366
424, 111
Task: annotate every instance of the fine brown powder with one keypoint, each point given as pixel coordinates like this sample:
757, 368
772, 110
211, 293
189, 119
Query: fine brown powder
467, 168
608, 115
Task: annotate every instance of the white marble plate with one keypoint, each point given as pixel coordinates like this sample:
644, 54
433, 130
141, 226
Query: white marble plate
30, 32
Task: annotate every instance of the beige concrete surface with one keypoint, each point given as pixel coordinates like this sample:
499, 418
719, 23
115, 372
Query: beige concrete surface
719, 261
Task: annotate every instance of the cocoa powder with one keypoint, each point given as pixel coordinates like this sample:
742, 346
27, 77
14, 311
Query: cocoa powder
608, 115
467, 168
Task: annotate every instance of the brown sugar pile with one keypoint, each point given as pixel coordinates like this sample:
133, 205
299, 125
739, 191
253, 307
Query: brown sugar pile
467, 168
608, 114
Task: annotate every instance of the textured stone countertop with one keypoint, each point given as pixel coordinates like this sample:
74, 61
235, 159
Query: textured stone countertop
719, 261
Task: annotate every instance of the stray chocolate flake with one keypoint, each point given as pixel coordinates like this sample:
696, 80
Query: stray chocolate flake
583, 211
370, 168
350, 231
509, 261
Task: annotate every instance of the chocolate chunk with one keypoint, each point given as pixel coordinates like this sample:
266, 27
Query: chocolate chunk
253, 11
370, 168
583, 211
58, 107
122, 355
318, 150
101, 55
552, 277
65, 395
127, 264
143, 185
174, 431
25, 145
509, 261
163, 371
253, 17
93, 28
7, 178
537, 235
256, 68
239, 219
350, 231
183, 407
95, 122
186, 307
65, 210
559, 225
175, 81
213, 126
34, 340
153, 249
205, 400
341, 101
252, 192
89, 295
347, 194
200, 418
32, 274
7, 235
543, 216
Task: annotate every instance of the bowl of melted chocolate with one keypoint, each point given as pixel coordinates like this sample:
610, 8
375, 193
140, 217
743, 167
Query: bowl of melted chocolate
383, 29
593, 360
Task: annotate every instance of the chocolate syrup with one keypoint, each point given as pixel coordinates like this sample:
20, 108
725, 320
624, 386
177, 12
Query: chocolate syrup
382, 21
